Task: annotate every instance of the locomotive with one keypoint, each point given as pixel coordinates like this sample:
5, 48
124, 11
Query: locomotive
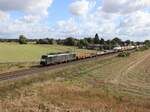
55, 58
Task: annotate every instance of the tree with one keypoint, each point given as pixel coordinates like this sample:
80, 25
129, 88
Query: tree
82, 43
102, 41
89, 40
96, 39
23, 39
116, 41
59, 41
128, 42
51, 41
138, 43
70, 41
46, 41
147, 43
109, 44
43, 41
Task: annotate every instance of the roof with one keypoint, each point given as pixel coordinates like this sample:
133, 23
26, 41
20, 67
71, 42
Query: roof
63, 54
58, 53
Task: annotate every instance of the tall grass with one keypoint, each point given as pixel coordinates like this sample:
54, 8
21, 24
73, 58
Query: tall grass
87, 86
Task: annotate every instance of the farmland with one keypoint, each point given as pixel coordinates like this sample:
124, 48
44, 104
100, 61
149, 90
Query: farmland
108, 85
14, 56
13, 52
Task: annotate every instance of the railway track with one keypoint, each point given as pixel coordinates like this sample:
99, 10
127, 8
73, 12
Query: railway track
38, 69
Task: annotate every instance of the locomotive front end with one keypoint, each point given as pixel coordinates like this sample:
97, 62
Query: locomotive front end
43, 61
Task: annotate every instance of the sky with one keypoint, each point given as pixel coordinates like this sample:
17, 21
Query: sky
126, 19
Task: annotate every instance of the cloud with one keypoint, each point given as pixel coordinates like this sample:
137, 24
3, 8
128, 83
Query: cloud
30, 19
81, 7
99, 22
68, 26
124, 6
127, 19
30, 22
13, 28
28, 25
123, 18
96, 22
136, 25
27, 6
65, 28
4, 16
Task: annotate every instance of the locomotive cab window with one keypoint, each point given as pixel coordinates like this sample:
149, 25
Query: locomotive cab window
43, 58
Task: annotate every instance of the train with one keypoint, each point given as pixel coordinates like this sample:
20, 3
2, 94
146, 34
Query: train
64, 57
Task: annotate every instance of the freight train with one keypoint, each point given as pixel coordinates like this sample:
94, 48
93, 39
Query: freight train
64, 57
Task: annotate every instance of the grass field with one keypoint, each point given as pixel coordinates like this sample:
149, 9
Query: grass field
14, 56
109, 85
13, 52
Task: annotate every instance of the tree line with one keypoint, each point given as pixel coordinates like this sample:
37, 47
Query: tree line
82, 43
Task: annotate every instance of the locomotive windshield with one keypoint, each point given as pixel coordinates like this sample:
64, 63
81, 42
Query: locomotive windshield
44, 57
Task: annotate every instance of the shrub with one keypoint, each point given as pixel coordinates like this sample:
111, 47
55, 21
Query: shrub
70, 41
23, 39
142, 48
46, 41
124, 54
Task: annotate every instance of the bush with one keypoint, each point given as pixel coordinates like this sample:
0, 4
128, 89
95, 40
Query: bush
42, 41
142, 48
46, 41
70, 41
82, 43
23, 39
124, 54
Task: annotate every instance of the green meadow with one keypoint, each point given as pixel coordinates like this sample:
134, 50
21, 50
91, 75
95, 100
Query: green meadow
13, 52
